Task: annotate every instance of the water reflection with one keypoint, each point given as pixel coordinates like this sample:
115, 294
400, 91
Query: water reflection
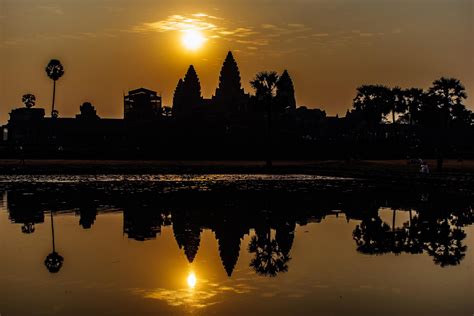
439, 234
54, 261
191, 280
435, 226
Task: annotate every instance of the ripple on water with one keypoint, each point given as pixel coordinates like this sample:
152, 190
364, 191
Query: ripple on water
165, 178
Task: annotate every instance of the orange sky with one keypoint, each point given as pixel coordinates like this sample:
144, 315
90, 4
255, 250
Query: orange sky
329, 47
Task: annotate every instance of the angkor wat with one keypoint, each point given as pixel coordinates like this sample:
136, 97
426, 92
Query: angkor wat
383, 123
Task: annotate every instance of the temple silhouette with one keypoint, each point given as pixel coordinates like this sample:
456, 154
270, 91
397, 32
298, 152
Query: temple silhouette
383, 122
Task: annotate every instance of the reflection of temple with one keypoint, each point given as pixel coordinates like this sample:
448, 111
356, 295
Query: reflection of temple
24, 209
187, 232
285, 234
229, 233
142, 223
87, 214
430, 229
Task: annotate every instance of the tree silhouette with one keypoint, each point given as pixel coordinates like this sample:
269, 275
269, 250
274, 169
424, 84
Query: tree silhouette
28, 100
398, 102
54, 70
372, 102
265, 85
371, 236
285, 94
446, 97
442, 239
414, 99
53, 261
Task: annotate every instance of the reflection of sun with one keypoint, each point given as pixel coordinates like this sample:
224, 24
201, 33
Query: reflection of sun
192, 39
191, 280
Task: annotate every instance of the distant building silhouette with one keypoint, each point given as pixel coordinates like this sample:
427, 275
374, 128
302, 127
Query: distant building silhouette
142, 104
24, 125
88, 112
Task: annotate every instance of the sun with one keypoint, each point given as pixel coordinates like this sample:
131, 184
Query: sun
192, 39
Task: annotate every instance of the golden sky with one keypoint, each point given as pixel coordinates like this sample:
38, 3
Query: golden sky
330, 47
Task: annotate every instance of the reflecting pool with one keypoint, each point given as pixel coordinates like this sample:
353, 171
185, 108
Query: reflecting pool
242, 245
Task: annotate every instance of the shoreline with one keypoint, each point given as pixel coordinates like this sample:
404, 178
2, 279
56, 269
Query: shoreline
456, 175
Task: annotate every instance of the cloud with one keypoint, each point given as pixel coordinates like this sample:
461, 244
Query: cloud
244, 37
296, 25
51, 9
198, 21
212, 26
320, 35
269, 26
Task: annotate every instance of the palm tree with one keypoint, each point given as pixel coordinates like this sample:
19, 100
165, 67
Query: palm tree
265, 85
398, 102
53, 261
28, 100
373, 102
447, 96
54, 70
414, 99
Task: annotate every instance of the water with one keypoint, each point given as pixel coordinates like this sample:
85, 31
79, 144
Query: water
232, 245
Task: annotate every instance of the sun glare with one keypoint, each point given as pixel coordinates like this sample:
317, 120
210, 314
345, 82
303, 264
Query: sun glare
191, 280
192, 39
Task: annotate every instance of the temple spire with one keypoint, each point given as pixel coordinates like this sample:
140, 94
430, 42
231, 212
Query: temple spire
230, 97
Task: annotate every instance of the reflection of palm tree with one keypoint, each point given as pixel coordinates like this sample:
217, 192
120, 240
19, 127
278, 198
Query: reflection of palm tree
28, 228
53, 261
269, 259
54, 70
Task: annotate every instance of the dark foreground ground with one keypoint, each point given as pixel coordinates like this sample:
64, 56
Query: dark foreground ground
455, 175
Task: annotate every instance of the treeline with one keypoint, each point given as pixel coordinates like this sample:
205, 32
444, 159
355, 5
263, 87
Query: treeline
442, 105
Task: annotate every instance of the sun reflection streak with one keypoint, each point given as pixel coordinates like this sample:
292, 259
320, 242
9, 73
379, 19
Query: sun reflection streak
195, 295
191, 280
